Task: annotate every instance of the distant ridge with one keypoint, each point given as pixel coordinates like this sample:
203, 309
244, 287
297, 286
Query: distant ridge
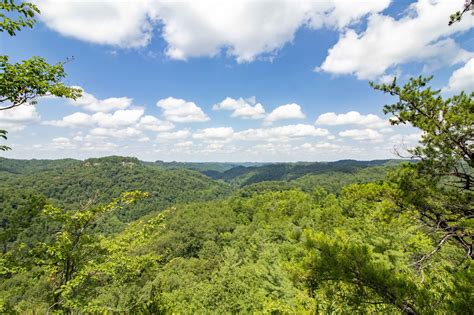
243, 176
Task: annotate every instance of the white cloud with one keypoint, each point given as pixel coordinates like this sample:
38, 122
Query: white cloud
351, 118
98, 147
117, 23
18, 118
320, 146
184, 144
401, 143
144, 139
121, 123
462, 79
120, 118
245, 29
92, 142
181, 111
420, 35
152, 123
73, 120
128, 132
281, 133
388, 78
203, 28
176, 135
283, 112
273, 148
60, 140
343, 12
362, 134
220, 133
91, 103
62, 143
243, 108
412, 138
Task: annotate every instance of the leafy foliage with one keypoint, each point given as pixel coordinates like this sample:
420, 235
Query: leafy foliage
75, 242
23, 82
457, 16
68, 183
24, 17
270, 248
440, 187
3, 134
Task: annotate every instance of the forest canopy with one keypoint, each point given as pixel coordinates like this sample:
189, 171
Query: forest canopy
120, 235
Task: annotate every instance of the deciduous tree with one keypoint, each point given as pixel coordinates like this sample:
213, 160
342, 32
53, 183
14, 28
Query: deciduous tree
23, 82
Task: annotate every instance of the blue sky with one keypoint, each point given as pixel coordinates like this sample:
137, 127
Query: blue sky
294, 75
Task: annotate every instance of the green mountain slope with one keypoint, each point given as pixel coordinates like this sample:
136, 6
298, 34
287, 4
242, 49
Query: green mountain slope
266, 253
31, 166
70, 182
243, 176
204, 167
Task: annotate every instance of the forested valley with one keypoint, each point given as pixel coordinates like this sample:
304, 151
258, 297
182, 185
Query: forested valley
118, 235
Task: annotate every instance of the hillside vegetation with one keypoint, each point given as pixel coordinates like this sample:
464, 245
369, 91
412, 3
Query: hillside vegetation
70, 183
243, 176
195, 244
255, 252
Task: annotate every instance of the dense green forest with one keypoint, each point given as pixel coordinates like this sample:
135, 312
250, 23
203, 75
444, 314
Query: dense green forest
68, 183
335, 239
120, 235
243, 176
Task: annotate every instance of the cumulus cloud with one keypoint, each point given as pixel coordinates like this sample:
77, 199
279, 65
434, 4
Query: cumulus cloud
283, 112
462, 79
320, 146
227, 134
109, 115
120, 118
90, 103
128, 132
73, 121
184, 144
351, 118
117, 23
411, 138
204, 28
152, 123
422, 30
89, 143
243, 108
181, 111
201, 28
362, 134
144, 139
219, 133
281, 133
176, 135
62, 143
18, 118
99, 147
